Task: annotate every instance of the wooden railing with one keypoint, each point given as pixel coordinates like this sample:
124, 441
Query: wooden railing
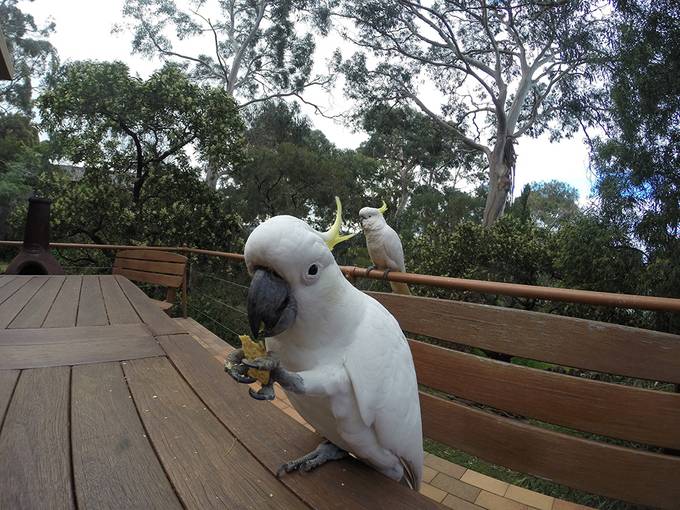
485, 287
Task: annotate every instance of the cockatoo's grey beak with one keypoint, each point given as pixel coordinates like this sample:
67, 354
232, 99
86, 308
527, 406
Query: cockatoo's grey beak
271, 306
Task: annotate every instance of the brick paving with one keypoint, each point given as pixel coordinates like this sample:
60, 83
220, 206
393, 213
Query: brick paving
451, 485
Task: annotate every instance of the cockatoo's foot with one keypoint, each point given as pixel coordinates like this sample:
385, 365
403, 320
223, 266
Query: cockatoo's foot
323, 453
234, 366
289, 381
387, 271
266, 392
370, 268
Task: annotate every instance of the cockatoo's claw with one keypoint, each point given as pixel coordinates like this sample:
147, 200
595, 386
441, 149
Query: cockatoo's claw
263, 363
234, 366
323, 453
370, 268
387, 271
264, 393
239, 373
234, 358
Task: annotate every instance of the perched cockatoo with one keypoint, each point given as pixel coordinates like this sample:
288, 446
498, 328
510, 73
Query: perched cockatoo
339, 354
384, 245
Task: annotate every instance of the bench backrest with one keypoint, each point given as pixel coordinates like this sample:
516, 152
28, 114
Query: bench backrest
152, 266
567, 403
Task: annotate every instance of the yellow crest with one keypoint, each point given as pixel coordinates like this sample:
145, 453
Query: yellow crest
332, 237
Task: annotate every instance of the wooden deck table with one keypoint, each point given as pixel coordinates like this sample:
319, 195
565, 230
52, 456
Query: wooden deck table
106, 402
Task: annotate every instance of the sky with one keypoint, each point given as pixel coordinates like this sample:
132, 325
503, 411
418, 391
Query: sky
84, 31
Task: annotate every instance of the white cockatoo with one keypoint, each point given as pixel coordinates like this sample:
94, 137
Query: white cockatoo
339, 354
384, 245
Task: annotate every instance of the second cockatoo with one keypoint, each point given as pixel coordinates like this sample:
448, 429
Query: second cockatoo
339, 354
384, 245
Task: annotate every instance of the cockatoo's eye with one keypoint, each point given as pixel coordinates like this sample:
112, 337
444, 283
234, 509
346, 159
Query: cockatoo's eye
312, 274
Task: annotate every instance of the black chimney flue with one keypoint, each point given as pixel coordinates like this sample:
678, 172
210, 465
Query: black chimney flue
35, 257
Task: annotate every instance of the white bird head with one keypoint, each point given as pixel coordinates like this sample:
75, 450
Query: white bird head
372, 218
292, 270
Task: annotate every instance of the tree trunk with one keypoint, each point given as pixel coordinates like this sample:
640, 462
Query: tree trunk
500, 183
404, 181
501, 173
212, 175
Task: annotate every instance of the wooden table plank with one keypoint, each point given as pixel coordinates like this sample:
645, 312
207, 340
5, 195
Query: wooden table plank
35, 311
114, 465
5, 279
8, 380
14, 283
31, 336
118, 307
274, 438
65, 307
91, 310
35, 466
208, 467
12, 306
45, 348
159, 323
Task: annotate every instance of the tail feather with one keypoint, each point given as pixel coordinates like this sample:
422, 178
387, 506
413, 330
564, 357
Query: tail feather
410, 474
400, 288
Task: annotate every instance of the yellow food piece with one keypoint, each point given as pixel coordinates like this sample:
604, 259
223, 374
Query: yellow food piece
253, 350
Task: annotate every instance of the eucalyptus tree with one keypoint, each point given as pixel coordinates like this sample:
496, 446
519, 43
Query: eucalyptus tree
32, 53
489, 72
254, 49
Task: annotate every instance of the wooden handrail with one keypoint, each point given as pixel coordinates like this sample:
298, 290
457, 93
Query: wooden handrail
484, 287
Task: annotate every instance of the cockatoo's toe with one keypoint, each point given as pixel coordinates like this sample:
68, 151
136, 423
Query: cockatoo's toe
262, 363
323, 453
264, 393
239, 374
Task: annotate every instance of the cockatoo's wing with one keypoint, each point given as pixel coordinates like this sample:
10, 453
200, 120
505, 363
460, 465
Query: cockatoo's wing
380, 367
393, 249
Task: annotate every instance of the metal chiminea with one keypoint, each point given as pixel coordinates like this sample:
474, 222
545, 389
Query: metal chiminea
35, 257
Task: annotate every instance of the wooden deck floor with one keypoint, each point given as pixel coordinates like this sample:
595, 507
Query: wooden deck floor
106, 402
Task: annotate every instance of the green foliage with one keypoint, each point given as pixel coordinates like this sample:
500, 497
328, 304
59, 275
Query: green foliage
179, 209
33, 56
136, 140
102, 117
414, 150
22, 157
293, 169
547, 203
637, 164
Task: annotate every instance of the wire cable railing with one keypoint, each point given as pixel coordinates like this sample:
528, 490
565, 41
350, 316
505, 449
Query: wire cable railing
485, 287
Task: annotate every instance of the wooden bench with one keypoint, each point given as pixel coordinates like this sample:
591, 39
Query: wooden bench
466, 386
157, 267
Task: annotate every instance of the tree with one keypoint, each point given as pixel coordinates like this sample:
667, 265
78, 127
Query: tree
637, 163
179, 209
502, 69
547, 203
293, 169
256, 50
33, 56
415, 149
127, 128
21, 159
